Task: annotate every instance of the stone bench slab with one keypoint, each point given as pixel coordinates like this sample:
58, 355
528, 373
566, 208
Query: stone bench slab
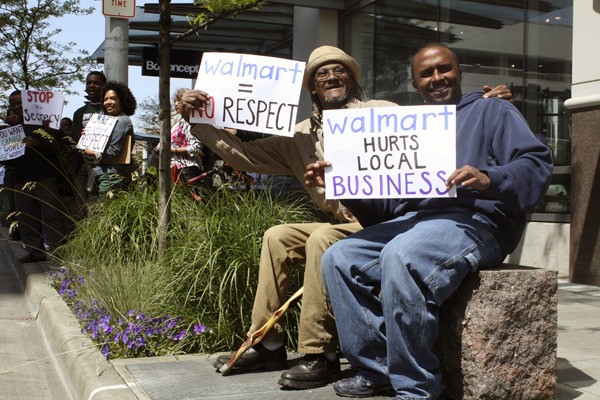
498, 335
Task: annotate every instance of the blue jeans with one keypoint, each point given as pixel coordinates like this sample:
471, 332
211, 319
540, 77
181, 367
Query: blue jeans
386, 284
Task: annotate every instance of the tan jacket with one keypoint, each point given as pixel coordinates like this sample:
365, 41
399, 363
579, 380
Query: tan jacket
281, 155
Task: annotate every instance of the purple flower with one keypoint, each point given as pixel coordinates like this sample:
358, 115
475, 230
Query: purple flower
171, 324
180, 335
199, 328
104, 323
132, 333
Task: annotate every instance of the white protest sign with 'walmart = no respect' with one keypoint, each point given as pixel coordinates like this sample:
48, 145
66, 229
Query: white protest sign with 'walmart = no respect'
390, 152
249, 92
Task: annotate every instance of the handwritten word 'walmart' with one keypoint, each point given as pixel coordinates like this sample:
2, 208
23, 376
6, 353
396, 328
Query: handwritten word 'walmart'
242, 69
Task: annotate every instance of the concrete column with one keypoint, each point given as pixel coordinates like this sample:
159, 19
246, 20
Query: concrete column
584, 263
116, 49
312, 28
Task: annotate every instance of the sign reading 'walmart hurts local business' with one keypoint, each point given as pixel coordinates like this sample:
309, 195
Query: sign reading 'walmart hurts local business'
390, 152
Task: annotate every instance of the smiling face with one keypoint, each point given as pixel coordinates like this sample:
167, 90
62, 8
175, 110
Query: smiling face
332, 84
112, 103
437, 76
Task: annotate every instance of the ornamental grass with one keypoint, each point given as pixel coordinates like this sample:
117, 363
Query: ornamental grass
195, 298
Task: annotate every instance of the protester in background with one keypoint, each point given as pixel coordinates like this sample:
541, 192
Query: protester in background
94, 82
85, 179
387, 282
186, 150
331, 76
69, 163
113, 166
39, 211
7, 193
66, 125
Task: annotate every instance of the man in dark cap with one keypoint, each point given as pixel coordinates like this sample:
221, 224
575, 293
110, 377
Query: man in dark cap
331, 76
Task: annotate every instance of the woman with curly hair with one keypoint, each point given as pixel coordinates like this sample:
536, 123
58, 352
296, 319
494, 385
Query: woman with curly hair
110, 169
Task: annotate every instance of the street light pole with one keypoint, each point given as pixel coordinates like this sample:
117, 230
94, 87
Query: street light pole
116, 49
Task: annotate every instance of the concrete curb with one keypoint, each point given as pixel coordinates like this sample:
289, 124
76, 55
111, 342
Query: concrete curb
85, 371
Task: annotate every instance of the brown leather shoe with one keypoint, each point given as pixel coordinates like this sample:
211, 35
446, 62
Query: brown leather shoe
256, 358
313, 371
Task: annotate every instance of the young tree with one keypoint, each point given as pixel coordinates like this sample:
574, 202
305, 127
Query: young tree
209, 12
147, 112
30, 56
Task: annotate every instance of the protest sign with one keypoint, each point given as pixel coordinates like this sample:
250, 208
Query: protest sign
2, 174
11, 142
97, 132
390, 152
250, 92
39, 106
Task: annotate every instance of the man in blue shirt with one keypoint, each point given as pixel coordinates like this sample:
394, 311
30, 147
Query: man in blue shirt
387, 282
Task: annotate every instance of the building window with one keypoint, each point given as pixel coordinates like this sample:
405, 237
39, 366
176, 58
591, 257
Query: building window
523, 44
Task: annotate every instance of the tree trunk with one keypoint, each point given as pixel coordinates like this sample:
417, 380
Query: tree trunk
164, 176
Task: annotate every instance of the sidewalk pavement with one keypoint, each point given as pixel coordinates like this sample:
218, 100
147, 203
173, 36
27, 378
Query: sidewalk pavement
61, 360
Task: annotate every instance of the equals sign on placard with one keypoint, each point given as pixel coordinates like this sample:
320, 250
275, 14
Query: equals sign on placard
245, 88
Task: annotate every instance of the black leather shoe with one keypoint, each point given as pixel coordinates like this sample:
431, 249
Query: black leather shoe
256, 358
313, 371
356, 387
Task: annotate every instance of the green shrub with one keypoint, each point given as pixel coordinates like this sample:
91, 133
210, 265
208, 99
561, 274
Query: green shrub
207, 277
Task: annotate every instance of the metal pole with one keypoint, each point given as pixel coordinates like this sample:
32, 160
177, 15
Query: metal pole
116, 49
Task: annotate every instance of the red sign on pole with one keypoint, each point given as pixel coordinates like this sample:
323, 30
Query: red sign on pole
118, 8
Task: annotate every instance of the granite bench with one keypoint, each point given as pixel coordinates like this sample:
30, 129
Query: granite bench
498, 335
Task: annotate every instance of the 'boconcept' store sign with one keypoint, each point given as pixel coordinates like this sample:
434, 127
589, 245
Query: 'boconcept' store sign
184, 64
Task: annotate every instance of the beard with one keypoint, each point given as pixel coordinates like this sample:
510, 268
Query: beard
340, 98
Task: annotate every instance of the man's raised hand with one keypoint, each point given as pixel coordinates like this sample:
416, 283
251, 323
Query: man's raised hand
193, 100
315, 173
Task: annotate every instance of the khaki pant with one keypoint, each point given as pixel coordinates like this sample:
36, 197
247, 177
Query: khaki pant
306, 243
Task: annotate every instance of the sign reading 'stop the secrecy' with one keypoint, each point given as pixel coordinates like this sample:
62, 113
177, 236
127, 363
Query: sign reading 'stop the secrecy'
390, 152
249, 92
40, 106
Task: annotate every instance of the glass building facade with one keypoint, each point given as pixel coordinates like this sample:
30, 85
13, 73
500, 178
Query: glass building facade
526, 45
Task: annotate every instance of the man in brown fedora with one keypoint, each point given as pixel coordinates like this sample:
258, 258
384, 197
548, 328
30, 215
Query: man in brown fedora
331, 76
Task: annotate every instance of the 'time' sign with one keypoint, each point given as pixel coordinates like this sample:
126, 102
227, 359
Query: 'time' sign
118, 8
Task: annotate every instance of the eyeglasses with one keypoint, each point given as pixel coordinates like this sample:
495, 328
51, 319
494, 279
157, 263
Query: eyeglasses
323, 74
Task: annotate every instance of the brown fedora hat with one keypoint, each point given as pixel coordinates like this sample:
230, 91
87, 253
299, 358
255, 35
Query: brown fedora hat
328, 55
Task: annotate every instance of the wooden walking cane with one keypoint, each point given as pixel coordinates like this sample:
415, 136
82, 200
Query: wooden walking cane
258, 335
